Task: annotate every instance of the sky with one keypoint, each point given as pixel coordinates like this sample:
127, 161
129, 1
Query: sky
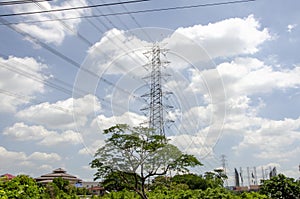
231, 82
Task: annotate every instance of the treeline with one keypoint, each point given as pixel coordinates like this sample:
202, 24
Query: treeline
187, 186
209, 186
25, 187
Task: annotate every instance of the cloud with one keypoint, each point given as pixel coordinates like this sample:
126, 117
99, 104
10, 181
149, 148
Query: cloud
230, 37
59, 115
117, 52
129, 118
11, 155
245, 76
68, 136
52, 31
290, 27
23, 162
91, 148
44, 156
272, 136
23, 132
21, 78
93, 137
246, 80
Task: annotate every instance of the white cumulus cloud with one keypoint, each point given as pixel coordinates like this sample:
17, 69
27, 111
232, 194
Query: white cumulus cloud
23, 132
60, 115
51, 31
44, 156
21, 78
24, 163
229, 37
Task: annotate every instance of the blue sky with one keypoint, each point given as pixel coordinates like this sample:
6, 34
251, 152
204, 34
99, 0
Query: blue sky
235, 76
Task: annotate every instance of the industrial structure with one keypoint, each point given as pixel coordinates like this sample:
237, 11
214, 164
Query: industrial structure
252, 178
155, 108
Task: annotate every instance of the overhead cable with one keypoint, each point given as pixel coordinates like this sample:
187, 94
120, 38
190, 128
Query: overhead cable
64, 57
10, 3
140, 11
71, 8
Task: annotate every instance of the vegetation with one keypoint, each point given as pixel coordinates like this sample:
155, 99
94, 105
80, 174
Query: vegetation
132, 156
21, 187
217, 193
25, 187
135, 154
281, 187
184, 186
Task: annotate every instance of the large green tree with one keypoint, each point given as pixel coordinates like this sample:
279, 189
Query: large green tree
215, 178
21, 187
281, 187
136, 153
192, 180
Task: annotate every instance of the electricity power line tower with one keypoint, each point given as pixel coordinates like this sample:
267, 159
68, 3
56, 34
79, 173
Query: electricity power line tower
223, 160
155, 96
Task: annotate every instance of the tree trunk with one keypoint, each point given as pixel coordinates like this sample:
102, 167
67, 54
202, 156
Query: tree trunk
144, 195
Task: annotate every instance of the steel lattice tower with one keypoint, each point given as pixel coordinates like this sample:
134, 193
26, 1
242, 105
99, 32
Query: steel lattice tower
156, 115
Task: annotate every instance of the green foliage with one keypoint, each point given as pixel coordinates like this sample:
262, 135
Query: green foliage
21, 187
61, 188
112, 181
166, 193
160, 182
219, 193
82, 191
253, 195
281, 187
215, 179
192, 180
135, 153
61, 183
124, 194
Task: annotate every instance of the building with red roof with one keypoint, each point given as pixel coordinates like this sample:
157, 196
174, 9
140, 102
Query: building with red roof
7, 176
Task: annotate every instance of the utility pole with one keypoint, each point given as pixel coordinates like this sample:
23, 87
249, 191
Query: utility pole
223, 159
255, 176
263, 173
155, 96
241, 175
248, 174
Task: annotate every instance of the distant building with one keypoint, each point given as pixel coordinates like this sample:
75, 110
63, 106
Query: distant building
97, 190
7, 176
94, 188
241, 189
90, 184
254, 188
44, 179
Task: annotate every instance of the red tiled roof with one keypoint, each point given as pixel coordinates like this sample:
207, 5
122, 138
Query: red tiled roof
8, 176
96, 188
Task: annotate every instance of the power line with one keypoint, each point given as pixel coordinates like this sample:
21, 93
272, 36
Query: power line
72, 8
67, 90
85, 40
139, 11
137, 23
9, 3
64, 57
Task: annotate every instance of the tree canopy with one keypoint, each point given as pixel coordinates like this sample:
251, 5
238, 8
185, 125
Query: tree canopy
281, 187
136, 153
